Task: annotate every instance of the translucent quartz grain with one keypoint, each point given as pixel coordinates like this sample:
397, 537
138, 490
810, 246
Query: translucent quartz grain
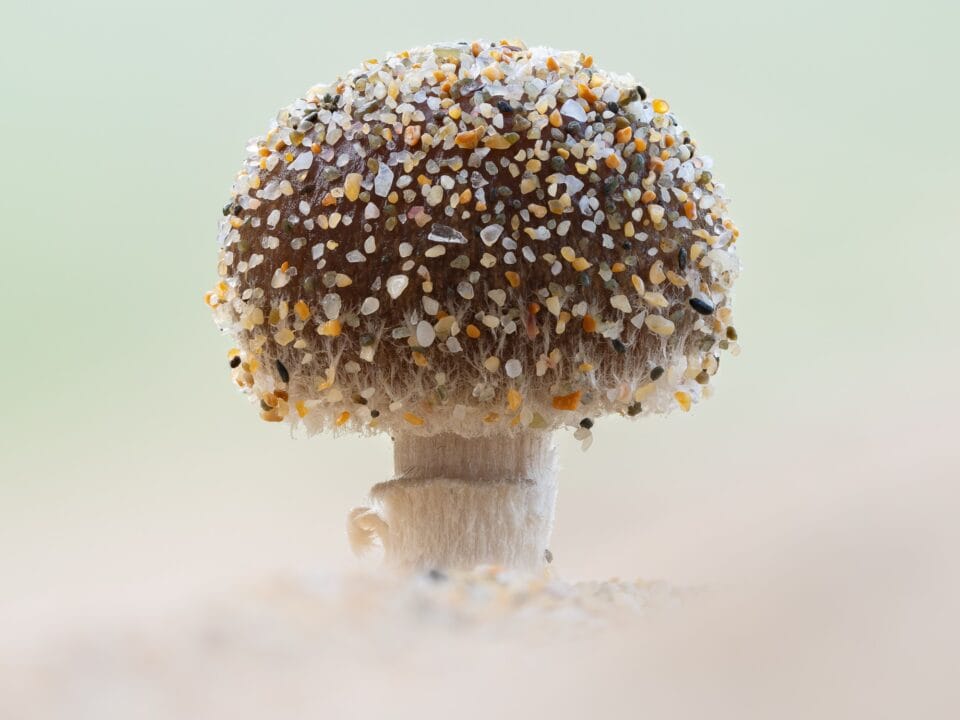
425, 333
660, 325
396, 284
572, 108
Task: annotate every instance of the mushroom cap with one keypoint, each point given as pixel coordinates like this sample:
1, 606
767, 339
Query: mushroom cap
475, 238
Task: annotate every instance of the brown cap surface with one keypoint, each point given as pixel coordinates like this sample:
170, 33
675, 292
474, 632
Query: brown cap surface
475, 238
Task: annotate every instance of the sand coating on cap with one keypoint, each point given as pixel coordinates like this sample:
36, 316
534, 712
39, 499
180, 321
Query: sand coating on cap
475, 238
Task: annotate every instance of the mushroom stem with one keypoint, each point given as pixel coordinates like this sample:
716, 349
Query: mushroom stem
457, 502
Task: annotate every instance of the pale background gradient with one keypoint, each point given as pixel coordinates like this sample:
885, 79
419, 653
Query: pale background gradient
821, 480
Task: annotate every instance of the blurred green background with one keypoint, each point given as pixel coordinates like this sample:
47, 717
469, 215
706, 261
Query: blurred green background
130, 469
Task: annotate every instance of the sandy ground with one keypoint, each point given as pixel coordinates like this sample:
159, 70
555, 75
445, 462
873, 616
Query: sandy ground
808, 595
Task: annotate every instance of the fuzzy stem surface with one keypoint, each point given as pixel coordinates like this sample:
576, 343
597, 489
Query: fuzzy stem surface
456, 502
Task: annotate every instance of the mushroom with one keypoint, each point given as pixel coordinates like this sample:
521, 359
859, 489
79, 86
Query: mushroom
469, 246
